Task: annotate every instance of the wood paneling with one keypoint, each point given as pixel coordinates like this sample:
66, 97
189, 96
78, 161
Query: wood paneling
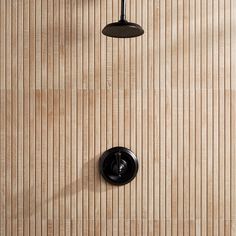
68, 93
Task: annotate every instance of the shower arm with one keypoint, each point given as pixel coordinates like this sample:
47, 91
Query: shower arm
123, 10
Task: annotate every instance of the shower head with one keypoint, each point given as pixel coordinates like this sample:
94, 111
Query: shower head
123, 28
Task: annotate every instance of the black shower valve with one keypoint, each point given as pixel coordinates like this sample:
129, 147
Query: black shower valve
118, 165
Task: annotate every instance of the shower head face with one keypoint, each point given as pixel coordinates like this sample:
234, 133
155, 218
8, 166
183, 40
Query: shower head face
123, 29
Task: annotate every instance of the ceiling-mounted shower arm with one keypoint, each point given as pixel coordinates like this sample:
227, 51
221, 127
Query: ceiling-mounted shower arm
123, 28
123, 10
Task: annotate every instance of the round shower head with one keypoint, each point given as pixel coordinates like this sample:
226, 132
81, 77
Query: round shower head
123, 29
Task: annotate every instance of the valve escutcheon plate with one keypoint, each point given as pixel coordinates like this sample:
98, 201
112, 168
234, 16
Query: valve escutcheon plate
118, 165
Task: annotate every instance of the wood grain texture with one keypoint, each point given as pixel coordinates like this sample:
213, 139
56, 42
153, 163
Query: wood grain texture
68, 93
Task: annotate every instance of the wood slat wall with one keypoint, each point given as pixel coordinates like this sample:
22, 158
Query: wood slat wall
68, 93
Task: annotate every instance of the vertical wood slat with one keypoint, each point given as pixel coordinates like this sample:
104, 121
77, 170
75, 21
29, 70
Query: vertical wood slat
133, 194
186, 118
168, 116
50, 119
150, 118
62, 116
156, 68
56, 120
26, 113
233, 114
180, 113
109, 93
144, 117
103, 117
97, 117
20, 126
38, 117
44, 120
204, 111
68, 93
216, 118
8, 122
138, 121
174, 117
74, 116
68, 121
3, 90
227, 75
115, 118
162, 145
79, 108
222, 117
32, 122
198, 123
192, 117
210, 119
14, 187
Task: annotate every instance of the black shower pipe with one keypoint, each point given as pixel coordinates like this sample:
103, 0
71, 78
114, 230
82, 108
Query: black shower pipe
123, 10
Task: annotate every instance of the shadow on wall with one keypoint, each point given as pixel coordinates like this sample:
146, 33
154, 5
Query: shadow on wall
81, 184
63, 30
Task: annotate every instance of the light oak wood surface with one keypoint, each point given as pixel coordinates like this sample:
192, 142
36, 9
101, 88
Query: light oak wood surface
68, 93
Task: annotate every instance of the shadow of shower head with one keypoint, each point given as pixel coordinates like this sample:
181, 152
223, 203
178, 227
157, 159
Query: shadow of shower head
123, 28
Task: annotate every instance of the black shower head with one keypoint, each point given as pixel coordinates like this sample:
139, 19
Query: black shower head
123, 28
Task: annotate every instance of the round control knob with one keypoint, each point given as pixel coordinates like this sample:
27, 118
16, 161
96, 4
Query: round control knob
118, 165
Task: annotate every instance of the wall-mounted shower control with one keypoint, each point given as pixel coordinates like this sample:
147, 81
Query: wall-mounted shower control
118, 165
